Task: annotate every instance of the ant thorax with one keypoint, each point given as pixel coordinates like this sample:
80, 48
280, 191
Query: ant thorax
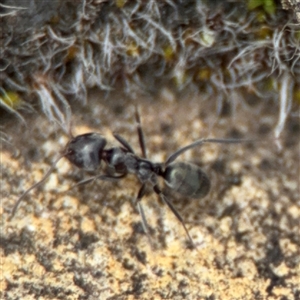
122, 162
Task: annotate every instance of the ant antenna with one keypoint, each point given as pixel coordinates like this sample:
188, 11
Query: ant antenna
174, 155
35, 186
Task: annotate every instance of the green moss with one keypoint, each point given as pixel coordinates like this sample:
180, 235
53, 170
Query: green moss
120, 3
267, 5
204, 74
11, 99
297, 95
168, 52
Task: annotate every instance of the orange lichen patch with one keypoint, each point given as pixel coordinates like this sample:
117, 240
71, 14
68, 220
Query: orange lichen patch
280, 292
8, 160
9, 265
288, 248
281, 270
87, 225
201, 273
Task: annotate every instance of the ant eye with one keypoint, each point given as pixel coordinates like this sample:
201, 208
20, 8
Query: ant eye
70, 152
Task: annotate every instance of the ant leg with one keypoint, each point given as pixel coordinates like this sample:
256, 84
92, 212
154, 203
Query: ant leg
174, 211
123, 142
101, 177
140, 133
139, 197
174, 155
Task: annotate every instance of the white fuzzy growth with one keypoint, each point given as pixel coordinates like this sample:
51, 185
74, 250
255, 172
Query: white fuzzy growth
49, 105
286, 92
13, 10
93, 49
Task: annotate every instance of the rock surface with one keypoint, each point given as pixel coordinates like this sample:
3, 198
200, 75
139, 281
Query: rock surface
88, 242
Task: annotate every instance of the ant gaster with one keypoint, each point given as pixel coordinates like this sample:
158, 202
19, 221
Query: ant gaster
87, 151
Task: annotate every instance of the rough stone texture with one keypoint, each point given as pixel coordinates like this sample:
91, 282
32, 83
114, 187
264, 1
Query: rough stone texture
88, 242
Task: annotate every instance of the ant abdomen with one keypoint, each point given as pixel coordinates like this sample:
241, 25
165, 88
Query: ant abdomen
187, 179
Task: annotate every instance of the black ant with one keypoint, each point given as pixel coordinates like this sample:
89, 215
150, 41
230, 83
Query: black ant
87, 151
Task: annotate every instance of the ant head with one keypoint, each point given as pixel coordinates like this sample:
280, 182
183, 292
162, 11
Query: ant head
85, 151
